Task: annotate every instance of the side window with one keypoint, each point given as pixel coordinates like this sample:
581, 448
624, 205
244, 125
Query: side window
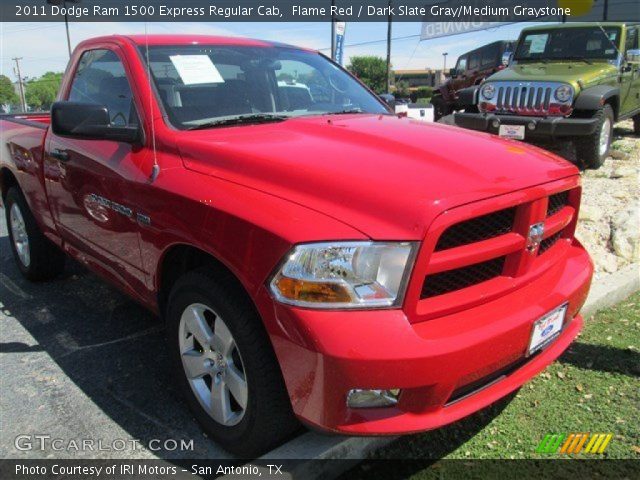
490, 56
462, 64
632, 39
474, 61
100, 78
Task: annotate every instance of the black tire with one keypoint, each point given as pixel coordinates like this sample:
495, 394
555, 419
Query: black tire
46, 260
268, 419
636, 124
440, 108
588, 148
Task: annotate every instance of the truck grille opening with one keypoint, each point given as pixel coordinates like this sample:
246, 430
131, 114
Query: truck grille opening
557, 202
451, 280
477, 229
547, 243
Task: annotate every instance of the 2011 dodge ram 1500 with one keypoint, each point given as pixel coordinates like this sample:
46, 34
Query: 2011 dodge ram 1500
310, 263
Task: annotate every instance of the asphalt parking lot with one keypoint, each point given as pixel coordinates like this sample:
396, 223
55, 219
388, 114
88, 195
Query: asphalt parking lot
80, 361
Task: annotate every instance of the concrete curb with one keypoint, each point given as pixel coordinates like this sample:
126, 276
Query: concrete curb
604, 293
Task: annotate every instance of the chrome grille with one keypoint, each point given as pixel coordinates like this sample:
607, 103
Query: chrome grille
523, 98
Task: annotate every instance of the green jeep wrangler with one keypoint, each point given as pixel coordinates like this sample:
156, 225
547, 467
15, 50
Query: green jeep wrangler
567, 81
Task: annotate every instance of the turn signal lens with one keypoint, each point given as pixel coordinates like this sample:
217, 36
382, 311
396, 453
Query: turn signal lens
345, 274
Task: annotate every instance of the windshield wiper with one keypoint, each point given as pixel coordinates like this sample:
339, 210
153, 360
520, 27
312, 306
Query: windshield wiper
241, 120
582, 59
345, 111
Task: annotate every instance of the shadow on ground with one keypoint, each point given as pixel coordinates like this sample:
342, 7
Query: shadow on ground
107, 345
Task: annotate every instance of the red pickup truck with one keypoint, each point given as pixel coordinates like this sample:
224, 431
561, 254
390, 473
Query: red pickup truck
310, 263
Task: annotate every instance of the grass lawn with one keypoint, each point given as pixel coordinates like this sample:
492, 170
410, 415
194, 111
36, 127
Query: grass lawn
593, 387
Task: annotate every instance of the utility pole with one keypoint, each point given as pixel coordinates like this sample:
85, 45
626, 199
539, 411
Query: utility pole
389, 49
63, 3
444, 65
23, 100
333, 31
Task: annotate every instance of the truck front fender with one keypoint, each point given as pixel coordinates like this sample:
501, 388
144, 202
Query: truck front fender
594, 97
468, 96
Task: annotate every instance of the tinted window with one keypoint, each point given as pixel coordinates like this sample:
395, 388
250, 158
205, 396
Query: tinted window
490, 56
100, 78
632, 39
200, 84
462, 64
474, 60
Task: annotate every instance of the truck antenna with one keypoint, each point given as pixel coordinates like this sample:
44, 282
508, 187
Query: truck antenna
155, 171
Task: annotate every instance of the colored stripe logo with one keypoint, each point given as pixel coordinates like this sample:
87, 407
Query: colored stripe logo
574, 443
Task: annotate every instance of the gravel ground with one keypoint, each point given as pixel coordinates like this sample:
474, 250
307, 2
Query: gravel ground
609, 223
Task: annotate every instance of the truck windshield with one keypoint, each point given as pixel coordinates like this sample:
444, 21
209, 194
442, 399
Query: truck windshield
569, 44
206, 86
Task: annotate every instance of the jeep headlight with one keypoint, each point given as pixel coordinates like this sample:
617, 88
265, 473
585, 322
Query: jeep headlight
345, 274
563, 93
488, 91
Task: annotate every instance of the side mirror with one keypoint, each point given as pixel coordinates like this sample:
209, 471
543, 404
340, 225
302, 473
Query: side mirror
89, 121
506, 58
633, 56
453, 72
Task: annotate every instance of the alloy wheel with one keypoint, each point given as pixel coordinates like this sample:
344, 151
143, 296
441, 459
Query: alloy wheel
19, 234
213, 365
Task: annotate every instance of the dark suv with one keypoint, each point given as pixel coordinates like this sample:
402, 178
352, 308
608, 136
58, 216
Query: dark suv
471, 68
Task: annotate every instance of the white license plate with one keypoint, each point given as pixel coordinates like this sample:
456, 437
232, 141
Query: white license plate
547, 328
512, 131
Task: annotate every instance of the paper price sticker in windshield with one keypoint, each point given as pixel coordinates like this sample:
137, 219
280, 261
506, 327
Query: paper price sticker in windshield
538, 42
195, 69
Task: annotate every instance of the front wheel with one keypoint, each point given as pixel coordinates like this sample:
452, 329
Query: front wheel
225, 366
37, 257
594, 149
440, 108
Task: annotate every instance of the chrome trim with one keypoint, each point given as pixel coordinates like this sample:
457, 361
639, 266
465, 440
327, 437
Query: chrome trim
524, 98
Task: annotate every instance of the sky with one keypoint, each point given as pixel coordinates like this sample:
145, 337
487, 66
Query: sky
43, 46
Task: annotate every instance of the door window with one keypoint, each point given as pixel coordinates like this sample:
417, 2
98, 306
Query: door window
632, 39
100, 78
474, 61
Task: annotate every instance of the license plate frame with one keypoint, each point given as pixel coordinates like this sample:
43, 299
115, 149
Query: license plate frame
541, 336
515, 132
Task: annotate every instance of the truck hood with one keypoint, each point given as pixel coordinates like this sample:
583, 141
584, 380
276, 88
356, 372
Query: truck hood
385, 176
568, 72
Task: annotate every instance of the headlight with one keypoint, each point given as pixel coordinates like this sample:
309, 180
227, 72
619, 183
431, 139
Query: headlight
563, 93
488, 91
345, 274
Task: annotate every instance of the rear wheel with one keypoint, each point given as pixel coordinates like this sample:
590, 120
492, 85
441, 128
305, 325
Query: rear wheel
37, 257
225, 365
594, 149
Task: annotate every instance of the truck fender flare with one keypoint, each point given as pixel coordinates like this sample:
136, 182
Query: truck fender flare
594, 97
468, 96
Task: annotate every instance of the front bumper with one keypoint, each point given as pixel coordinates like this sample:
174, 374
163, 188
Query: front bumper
549, 127
325, 354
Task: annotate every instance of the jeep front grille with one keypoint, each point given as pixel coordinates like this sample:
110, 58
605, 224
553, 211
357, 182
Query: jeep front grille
525, 98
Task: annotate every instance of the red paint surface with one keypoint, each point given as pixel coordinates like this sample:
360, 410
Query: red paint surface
247, 194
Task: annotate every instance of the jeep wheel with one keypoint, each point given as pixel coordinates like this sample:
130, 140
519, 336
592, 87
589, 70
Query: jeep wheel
594, 149
636, 124
37, 257
225, 366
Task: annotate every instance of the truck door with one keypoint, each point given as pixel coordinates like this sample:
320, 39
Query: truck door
89, 181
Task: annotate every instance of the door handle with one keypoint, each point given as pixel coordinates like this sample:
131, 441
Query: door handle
61, 155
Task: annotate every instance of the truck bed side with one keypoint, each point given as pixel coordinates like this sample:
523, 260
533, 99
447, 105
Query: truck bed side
21, 161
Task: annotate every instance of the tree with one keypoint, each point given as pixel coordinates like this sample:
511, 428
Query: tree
41, 92
371, 70
8, 95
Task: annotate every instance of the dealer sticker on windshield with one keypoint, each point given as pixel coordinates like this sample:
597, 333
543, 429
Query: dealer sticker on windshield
512, 131
547, 328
